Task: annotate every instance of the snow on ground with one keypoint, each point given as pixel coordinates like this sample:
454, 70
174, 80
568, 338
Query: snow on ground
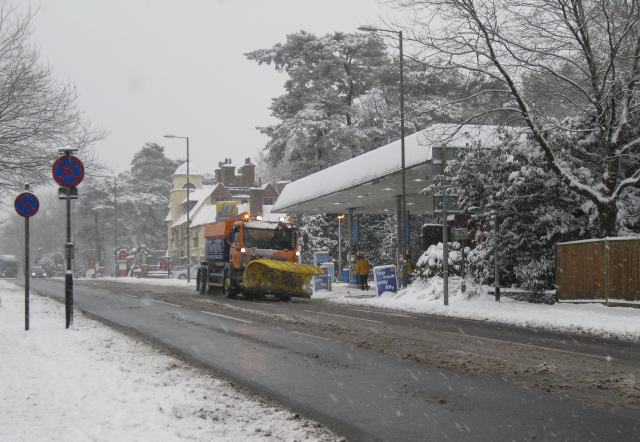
93, 383
425, 297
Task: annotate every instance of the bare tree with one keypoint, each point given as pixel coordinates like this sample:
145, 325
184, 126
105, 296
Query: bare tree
578, 56
37, 114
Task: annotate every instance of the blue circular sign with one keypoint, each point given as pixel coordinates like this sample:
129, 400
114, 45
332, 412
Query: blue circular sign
26, 204
68, 171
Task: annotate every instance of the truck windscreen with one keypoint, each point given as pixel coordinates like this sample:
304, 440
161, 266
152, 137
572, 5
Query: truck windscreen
277, 239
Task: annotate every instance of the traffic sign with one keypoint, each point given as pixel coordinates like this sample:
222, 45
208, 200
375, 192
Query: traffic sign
67, 193
68, 171
26, 204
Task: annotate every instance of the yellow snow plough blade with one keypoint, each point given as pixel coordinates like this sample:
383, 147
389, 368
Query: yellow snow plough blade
280, 278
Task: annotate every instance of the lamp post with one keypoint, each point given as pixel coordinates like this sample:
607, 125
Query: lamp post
115, 221
340, 218
188, 209
403, 209
115, 224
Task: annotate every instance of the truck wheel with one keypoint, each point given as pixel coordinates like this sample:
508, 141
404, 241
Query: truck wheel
198, 282
285, 298
227, 289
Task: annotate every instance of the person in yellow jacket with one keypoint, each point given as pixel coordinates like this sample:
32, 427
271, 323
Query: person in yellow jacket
362, 271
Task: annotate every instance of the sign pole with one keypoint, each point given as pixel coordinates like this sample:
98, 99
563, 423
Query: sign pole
26, 205
68, 172
68, 277
26, 269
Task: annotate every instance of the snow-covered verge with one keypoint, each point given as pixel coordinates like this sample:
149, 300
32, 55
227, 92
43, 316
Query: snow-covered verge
93, 383
425, 297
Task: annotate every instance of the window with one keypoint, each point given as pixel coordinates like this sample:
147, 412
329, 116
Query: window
282, 238
269, 201
190, 186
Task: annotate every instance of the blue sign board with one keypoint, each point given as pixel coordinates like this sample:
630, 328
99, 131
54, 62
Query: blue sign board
26, 204
386, 279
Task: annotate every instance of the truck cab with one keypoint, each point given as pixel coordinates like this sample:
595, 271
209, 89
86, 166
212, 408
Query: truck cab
255, 239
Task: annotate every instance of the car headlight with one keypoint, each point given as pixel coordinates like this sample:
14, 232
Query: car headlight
33, 274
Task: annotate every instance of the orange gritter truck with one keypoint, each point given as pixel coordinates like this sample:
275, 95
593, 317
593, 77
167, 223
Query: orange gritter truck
255, 258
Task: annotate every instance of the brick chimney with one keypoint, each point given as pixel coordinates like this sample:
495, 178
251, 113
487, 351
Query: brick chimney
256, 197
248, 173
228, 173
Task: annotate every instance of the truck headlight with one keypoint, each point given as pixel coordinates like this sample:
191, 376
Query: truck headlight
243, 250
297, 252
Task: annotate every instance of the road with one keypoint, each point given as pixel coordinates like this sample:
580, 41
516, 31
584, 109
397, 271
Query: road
376, 375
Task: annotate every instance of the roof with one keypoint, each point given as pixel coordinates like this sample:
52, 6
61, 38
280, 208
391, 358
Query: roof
182, 170
205, 193
198, 194
371, 182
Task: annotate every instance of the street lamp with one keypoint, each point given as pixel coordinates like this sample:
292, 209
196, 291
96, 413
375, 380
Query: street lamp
115, 219
340, 218
403, 210
188, 209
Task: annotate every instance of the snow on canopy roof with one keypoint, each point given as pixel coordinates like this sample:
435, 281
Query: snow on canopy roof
182, 170
384, 161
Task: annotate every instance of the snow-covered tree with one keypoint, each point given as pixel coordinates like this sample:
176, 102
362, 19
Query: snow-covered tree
342, 99
142, 199
511, 185
552, 59
38, 114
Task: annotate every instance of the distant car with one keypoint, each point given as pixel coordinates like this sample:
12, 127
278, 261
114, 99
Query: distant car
38, 272
182, 273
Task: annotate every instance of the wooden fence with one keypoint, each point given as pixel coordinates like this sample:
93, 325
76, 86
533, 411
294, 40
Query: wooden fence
599, 269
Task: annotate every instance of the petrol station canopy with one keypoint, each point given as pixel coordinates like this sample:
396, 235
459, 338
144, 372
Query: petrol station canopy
371, 183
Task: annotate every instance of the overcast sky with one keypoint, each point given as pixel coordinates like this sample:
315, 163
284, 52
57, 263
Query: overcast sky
145, 68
